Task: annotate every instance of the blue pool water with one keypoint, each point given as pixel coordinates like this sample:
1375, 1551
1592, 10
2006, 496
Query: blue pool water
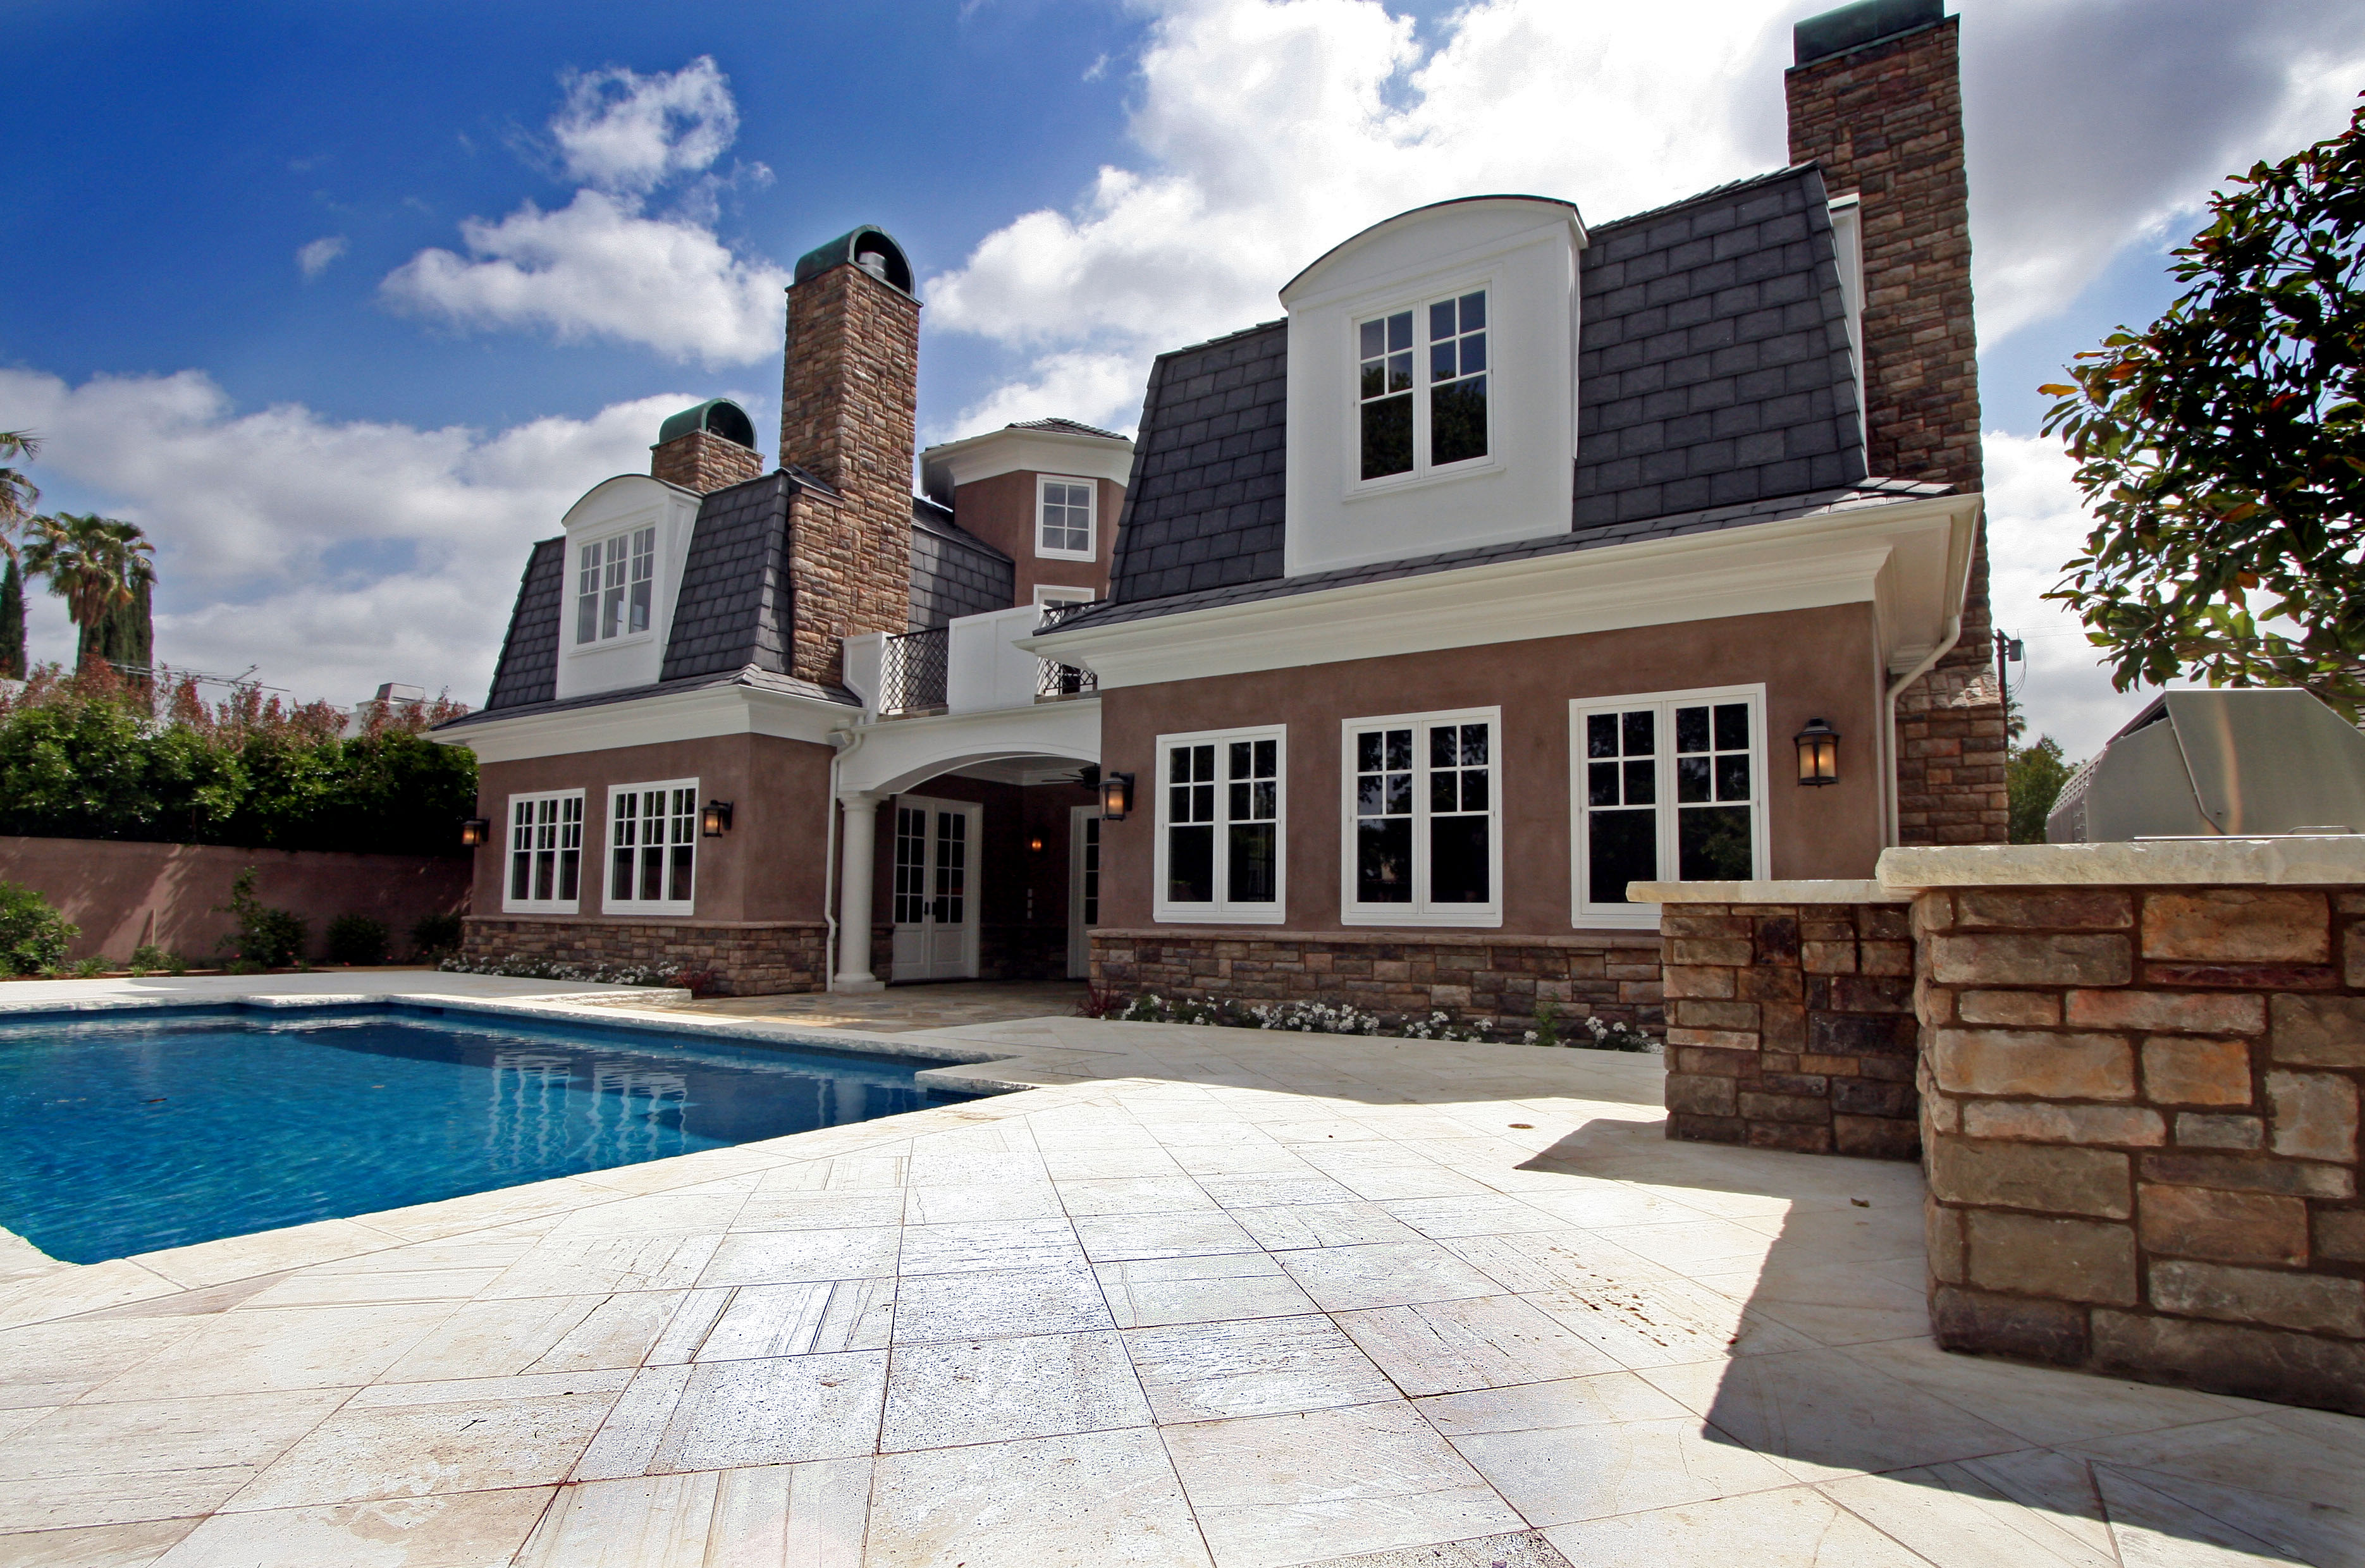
127, 1134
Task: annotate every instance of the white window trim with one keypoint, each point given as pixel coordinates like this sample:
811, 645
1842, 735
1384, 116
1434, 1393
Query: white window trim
509, 849
1422, 474
1091, 518
1418, 913
575, 551
609, 902
1586, 916
1221, 911
1062, 593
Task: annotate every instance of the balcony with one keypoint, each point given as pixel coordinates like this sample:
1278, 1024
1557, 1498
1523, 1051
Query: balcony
969, 665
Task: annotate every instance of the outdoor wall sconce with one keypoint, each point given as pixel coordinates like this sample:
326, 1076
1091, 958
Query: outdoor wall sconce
716, 820
474, 832
1034, 846
1117, 796
1819, 754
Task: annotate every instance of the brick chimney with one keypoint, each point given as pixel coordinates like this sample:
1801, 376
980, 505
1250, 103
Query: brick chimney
849, 395
1875, 99
707, 448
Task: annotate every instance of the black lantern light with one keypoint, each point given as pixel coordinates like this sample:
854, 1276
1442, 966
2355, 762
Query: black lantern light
714, 821
474, 832
1117, 796
1819, 754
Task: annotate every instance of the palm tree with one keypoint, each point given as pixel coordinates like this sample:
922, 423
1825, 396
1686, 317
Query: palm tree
97, 565
17, 495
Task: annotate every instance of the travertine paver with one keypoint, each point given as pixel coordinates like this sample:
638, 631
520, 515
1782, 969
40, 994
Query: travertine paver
1204, 1297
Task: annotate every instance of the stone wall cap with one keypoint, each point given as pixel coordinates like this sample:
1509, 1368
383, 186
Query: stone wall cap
1458, 936
1832, 891
2290, 861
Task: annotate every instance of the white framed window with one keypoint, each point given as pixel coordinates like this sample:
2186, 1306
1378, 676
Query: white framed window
1666, 787
545, 864
653, 848
1421, 381
1423, 807
1061, 593
615, 585
1220, 824
1063, 517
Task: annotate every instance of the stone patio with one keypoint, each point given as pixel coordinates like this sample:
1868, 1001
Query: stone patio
1197, 1296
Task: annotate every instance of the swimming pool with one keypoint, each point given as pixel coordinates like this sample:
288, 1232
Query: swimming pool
123, 1134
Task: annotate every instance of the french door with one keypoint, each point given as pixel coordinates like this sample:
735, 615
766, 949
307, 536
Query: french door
937, 847
1083, 888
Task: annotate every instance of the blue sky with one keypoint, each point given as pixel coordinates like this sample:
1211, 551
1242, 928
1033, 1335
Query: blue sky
345, 304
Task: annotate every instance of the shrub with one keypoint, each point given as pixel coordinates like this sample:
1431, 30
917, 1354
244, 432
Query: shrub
147, 956
357, 939
33, 936
89, 969
434, 936
1547, 1029
176, 965
522, 966
266, 938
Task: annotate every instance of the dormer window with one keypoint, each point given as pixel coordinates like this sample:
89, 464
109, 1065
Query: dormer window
1411, 429
1063, 513
615, 582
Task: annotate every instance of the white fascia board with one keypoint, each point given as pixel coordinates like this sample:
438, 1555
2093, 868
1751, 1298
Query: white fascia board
1036, 451
1909, 559
655, 720
889, 754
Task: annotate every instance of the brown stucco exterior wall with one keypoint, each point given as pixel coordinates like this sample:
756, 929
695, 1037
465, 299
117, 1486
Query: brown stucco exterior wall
172, 894
1815, 663
768, 868
1001, 510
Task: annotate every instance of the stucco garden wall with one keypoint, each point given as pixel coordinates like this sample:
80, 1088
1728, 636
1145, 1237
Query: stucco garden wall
123, 894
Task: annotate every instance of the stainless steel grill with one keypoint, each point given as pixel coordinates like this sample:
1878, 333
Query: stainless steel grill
2198, 764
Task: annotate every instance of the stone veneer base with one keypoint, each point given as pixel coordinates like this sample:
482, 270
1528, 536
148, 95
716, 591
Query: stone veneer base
1487, 977
746, 959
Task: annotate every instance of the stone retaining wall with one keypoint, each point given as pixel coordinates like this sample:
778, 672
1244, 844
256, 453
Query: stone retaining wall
1494, 981
2140, 1105
752, 958
1790, 1026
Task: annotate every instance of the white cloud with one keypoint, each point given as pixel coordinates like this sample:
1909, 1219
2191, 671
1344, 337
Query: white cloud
623, 131
2036, 522
334, 554
313, 260
1102, 389
603, 265
1268, 130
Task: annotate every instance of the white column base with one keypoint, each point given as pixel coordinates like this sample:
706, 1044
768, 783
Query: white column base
854, 983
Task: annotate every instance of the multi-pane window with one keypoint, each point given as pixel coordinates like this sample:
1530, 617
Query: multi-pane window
1089, 883
1406, 427
653, 846
1064, 513
1669, 788
615, 585
1219, 809
1422, 802
545, 868
911, 865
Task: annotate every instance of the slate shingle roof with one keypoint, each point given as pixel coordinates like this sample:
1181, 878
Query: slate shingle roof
1204, 506
954, 573
1712, 354
1710, 520
1713, 371
528, 670
1064, 427
732, 608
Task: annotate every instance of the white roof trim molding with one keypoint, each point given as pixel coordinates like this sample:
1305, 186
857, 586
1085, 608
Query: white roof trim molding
657, 718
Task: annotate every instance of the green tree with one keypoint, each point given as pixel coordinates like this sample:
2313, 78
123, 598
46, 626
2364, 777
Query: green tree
12, 620
2222, 449
2034, 775
17, 495
97, 564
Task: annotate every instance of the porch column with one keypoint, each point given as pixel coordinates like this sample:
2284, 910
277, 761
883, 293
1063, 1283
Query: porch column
856, 872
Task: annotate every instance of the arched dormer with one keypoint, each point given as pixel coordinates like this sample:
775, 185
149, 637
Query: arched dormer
626, 540
1432, 383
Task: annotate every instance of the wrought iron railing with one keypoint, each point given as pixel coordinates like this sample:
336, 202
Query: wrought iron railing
911, 669
1053, 678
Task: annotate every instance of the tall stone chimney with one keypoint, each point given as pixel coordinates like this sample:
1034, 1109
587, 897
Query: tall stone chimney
849, 395
708, 448
1875, 99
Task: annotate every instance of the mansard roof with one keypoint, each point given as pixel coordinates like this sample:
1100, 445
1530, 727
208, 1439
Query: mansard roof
1714, 379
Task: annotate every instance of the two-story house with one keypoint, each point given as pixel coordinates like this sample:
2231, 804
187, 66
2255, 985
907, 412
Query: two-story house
1522, 559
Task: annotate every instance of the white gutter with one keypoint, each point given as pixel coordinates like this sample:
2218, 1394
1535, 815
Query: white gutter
1893, 827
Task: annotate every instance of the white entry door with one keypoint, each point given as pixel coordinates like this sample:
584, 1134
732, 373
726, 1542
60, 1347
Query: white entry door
1083, 888
936, 848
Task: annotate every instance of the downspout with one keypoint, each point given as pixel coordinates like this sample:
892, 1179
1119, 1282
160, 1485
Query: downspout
847, 742
1891, 828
